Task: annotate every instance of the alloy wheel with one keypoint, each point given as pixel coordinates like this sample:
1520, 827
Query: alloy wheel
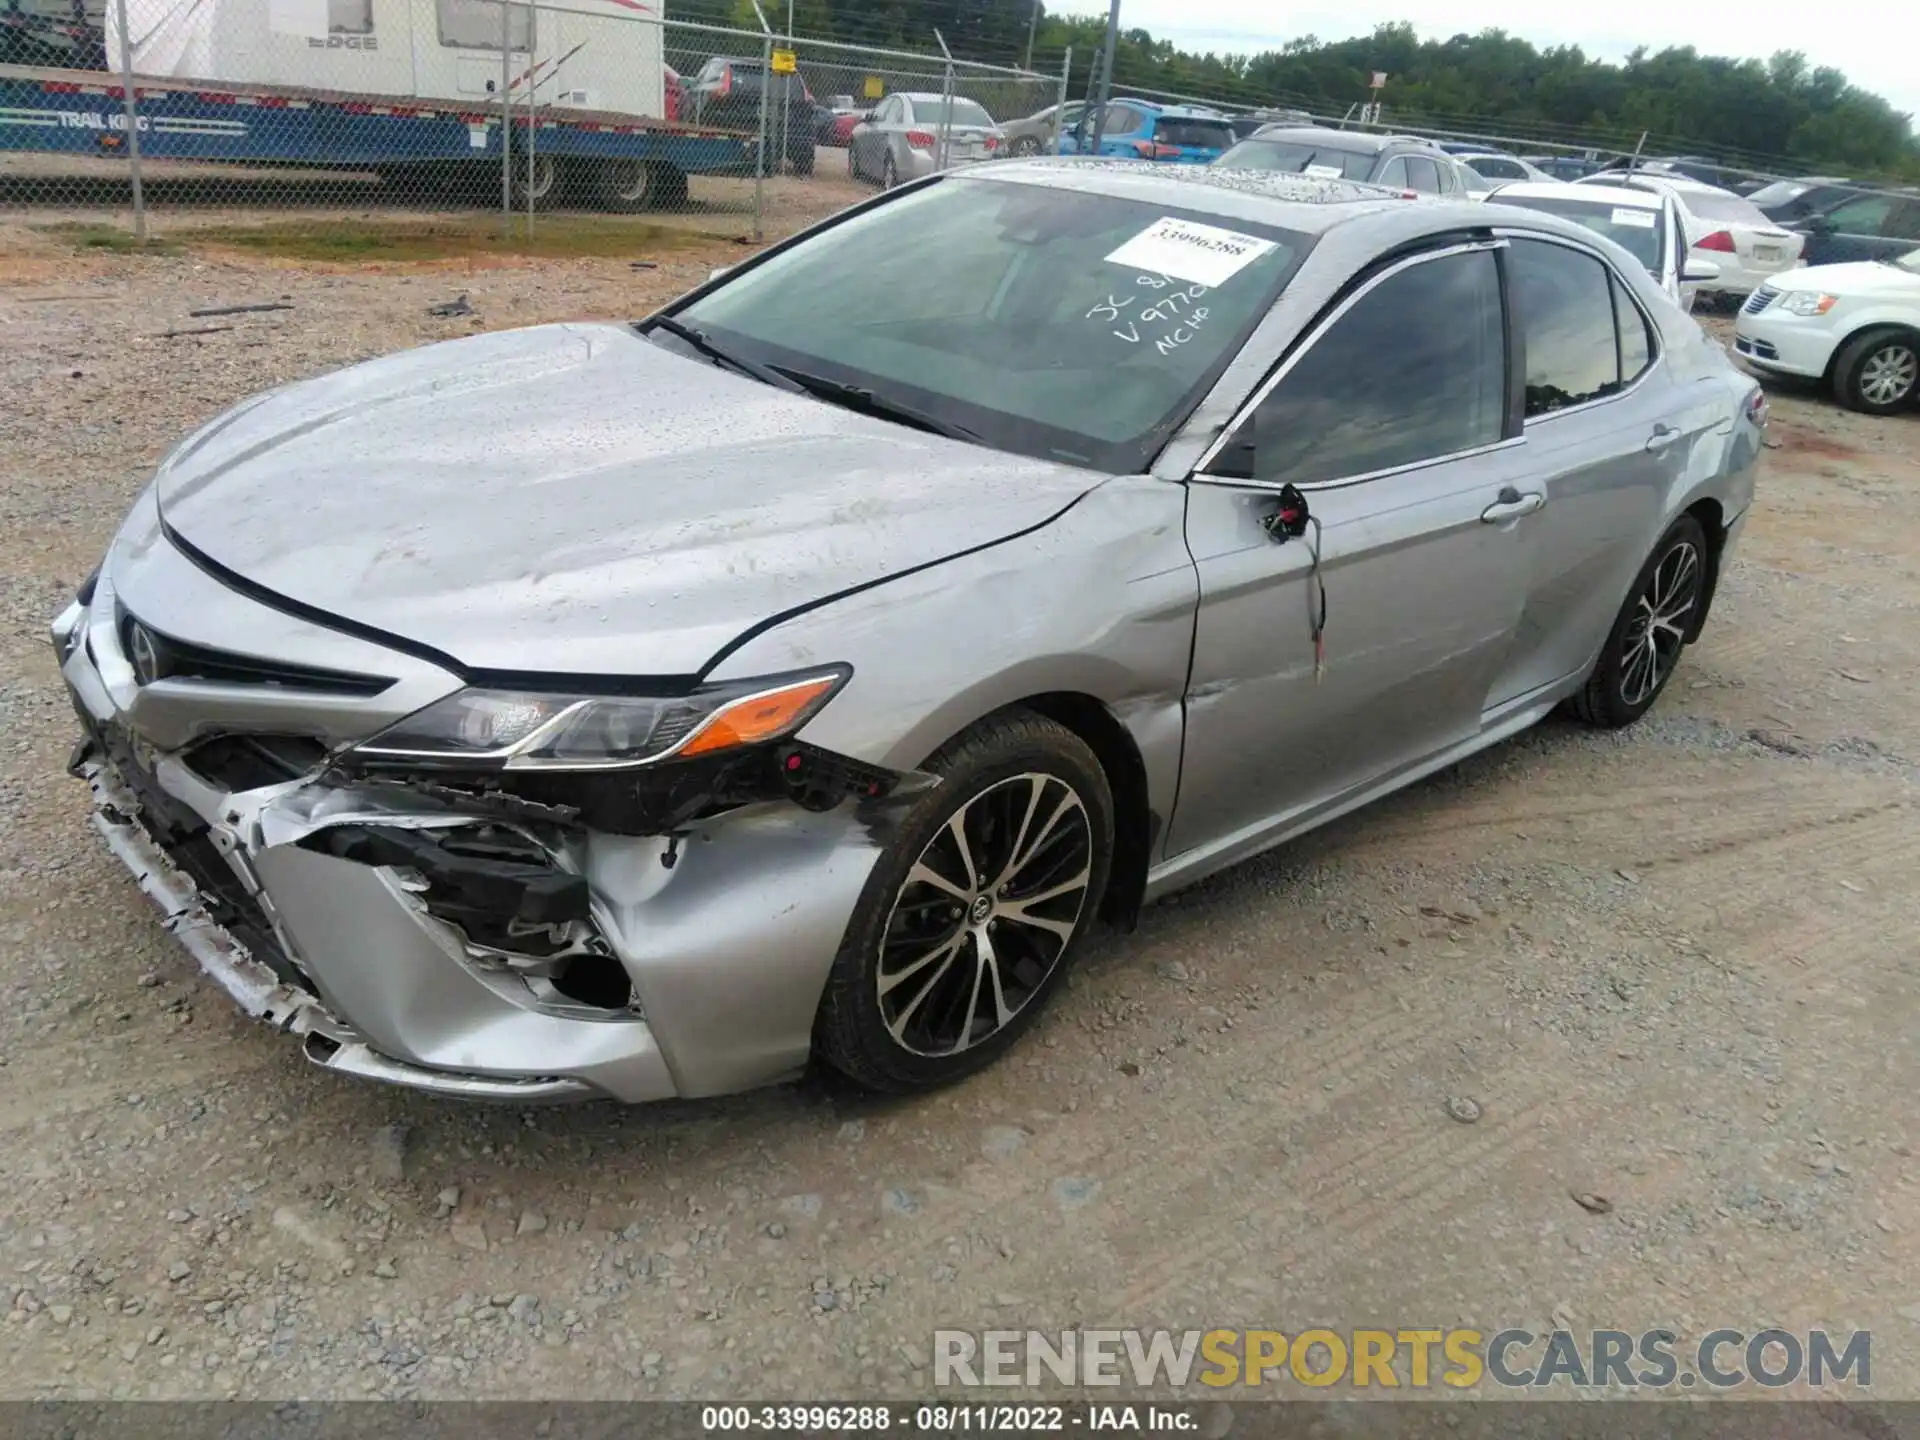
1658, 629
985, 914
1889, 374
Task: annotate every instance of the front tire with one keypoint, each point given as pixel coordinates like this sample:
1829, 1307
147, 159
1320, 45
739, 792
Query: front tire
972, 916
1024, 145
1879, 372
1643, 648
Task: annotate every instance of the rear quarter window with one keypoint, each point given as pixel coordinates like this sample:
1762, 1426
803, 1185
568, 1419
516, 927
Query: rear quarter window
1199, 134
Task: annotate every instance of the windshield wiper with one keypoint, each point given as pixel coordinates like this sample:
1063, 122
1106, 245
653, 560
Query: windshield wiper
707, 346
858, 397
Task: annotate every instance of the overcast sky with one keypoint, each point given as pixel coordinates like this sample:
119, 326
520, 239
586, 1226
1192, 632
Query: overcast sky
1869, 41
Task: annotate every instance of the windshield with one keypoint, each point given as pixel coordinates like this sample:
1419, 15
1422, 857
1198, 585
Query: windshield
1056, 323
1300, 157
1637, 231
934, 112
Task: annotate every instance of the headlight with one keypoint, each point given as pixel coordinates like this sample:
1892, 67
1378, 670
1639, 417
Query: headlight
528, 730
1807, 302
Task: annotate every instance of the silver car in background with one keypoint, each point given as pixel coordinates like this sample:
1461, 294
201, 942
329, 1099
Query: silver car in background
910, 134
1644, 223
647, 710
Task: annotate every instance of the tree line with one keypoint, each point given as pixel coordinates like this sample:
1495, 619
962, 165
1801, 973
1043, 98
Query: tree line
1780, 112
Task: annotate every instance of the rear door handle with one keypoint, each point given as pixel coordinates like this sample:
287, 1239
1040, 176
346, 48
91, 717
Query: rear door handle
1512, 505
1662, 437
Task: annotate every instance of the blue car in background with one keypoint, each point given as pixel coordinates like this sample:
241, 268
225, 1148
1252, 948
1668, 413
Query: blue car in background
1143, 130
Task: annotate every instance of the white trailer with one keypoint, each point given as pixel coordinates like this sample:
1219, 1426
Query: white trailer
598, 55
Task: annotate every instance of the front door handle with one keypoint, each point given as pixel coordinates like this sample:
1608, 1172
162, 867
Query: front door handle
1662, 437
1512, 505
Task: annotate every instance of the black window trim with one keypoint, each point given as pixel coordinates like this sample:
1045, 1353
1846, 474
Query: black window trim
1517, 352
1365, 285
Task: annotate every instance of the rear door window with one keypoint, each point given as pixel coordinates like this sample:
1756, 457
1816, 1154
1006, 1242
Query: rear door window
1564, 302
1423, 175
1191, 133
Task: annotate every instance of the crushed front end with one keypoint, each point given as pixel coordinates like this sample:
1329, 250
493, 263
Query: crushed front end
446, 920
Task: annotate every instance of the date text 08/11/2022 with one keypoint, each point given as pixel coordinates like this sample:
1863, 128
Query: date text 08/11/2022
944, 1419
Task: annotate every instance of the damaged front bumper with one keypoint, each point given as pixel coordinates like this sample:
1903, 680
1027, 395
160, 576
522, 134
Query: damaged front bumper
407, 937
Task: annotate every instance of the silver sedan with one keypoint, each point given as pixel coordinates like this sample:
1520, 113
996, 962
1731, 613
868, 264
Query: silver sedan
912, 135
800, 673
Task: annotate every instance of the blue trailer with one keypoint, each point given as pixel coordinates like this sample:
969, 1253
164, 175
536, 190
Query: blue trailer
617, 162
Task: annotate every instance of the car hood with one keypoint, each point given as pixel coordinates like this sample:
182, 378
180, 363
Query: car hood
577, 499
1853, 279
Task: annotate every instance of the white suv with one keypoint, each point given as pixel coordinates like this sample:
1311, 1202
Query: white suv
1854, 326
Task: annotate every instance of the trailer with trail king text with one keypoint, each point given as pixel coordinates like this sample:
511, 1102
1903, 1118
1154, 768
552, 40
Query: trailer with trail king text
408, 88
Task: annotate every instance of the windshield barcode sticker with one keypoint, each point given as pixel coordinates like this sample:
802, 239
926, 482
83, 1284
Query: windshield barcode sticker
1202, 254
1638, 219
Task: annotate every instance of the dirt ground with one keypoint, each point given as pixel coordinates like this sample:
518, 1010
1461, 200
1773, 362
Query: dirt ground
1674, 968
42, 189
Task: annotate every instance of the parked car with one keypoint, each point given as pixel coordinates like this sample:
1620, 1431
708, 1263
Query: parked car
1402, 162
726, 93
1731, 232
1697, 168
1498, 165
1144, 130
1785, 201
902, 139
1854, 327
1873, 226
1254, 121
1562, 167
835, 120
640, 710
676, 95
1644, 224
1035, 133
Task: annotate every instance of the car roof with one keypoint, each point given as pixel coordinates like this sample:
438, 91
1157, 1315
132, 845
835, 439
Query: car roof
1599, 194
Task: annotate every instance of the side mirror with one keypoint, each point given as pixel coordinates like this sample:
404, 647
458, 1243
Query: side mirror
1820, 225
1696, 272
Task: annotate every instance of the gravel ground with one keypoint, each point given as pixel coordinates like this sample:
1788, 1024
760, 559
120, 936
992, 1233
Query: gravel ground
1673, 968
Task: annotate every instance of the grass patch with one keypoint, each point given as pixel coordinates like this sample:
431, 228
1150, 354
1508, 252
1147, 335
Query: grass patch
360, 242
109, 237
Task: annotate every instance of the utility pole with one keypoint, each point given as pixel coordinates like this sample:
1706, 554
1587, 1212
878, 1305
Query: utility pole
1033, 23
1106, 73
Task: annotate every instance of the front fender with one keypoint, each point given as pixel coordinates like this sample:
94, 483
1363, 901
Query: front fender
1100, 602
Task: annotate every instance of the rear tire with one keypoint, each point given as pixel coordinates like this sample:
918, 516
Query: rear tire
543, 186
889, 177
1643, 648
1879, 372
630, 186
974, 912
800, 157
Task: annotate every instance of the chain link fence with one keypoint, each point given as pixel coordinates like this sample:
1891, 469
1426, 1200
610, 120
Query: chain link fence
155, 116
